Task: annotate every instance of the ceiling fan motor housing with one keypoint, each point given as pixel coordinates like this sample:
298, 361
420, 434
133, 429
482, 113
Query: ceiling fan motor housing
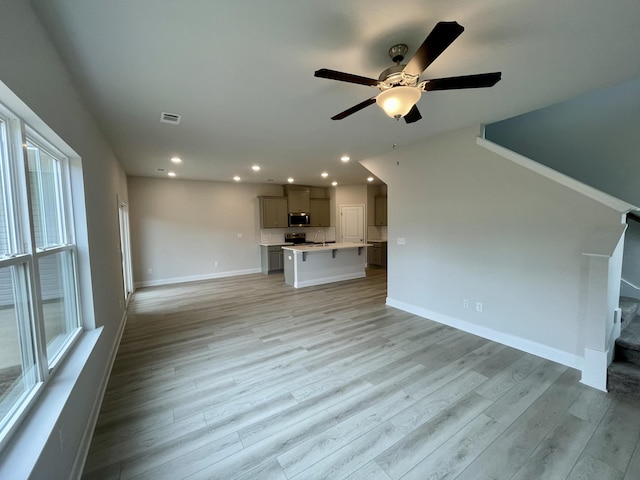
394, 76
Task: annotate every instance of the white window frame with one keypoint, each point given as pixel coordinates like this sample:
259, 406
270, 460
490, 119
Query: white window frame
23, 254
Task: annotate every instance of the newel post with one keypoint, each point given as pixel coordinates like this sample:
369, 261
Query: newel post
603, 253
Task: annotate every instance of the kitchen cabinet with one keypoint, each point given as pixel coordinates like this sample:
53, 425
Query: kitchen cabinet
319, 212
377, 254
272, 258
380, 212
273, 212
297, 198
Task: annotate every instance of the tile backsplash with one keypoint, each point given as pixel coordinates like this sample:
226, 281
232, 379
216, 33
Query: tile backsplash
376, 233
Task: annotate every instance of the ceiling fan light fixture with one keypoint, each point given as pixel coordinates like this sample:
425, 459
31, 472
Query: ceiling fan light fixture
398, 101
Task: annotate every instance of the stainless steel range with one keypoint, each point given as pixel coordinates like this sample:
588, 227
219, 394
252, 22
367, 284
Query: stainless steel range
295, 238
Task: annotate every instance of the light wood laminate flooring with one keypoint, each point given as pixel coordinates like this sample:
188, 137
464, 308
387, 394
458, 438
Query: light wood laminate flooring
248, 378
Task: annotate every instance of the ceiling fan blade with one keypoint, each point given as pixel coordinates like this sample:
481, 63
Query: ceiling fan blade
442, 35
466, 81
413, 115
354, 109
345, 77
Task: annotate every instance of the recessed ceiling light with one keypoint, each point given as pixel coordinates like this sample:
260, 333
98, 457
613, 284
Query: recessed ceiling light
256, 168
324, 174
236, 178
345, 158
176, 160
290, 180
370, 179
171, 174
334, 184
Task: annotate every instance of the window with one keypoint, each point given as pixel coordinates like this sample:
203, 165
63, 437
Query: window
39, 315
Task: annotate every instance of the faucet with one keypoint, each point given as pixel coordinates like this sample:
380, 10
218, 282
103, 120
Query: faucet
324, 238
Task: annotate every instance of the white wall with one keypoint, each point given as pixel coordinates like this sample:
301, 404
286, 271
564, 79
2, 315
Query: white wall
481, 228
180, 228
32, 69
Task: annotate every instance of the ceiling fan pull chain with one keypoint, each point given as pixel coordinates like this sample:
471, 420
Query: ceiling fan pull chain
396, 146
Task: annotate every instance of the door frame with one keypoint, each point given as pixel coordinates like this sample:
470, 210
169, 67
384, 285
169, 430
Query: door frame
125, 250
363, 225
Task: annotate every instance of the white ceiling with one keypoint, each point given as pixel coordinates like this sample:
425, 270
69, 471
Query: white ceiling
241, 74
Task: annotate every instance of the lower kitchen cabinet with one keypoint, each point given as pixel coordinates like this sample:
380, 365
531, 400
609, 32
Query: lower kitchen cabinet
377, 254
272, 258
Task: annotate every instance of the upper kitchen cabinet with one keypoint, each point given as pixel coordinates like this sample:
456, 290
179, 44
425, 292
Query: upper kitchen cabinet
273, 212
319, 212
380, 210
298, 198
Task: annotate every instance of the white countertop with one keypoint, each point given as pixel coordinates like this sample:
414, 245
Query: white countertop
329, 246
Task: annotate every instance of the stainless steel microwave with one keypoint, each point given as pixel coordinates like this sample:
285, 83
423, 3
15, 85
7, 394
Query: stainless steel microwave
300, 219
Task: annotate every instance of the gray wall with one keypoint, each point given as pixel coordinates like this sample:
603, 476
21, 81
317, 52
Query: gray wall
32, 69
181, 228
594, 138
482, 228
631, 263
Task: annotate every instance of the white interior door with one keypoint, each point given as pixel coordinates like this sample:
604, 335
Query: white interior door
352, 223
125, 248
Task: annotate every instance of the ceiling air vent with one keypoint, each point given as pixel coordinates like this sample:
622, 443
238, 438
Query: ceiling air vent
171, 118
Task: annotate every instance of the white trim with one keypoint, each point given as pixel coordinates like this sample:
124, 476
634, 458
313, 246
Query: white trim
27, 443
195, 278
561, 178
635, 287
535, 348
594, 373
85, 442
15, 104
323, 280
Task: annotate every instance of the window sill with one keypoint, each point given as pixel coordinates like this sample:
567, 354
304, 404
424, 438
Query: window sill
21, 448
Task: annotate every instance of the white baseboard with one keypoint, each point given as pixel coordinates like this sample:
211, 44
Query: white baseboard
195, 278
87, 436
535, 348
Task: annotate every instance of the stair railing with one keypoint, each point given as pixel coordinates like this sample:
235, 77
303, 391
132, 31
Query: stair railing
632, 285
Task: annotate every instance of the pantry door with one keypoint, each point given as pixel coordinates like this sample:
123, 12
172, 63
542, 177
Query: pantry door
352, 223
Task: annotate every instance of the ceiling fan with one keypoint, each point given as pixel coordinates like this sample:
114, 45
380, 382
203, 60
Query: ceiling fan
400, 86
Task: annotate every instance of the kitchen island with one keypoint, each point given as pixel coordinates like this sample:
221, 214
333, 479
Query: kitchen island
307, 265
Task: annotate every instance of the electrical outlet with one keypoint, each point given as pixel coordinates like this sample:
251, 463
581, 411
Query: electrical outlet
239, 235
149, 270
465, 303
402, 241
479, 307
216, 264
